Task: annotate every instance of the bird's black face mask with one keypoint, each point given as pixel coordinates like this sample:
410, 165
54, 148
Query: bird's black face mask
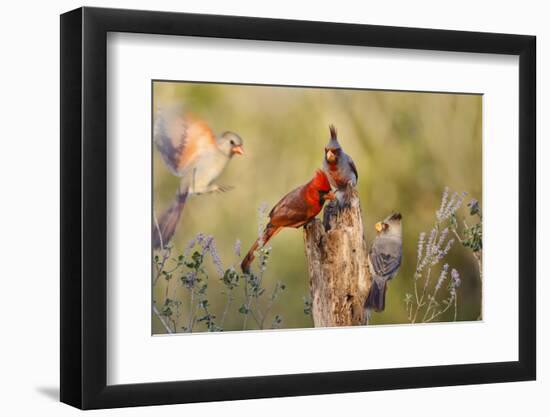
332, 155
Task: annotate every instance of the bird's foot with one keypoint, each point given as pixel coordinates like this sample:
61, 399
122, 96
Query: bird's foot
345, 196
214, 189
329, 213
344, 204
223, 188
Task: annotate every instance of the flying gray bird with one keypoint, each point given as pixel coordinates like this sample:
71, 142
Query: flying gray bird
384, 261
192, 152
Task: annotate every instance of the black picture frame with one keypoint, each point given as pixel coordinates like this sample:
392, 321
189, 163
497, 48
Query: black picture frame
84, 207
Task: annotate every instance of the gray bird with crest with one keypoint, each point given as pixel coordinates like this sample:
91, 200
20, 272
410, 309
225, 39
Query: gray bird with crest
384, 260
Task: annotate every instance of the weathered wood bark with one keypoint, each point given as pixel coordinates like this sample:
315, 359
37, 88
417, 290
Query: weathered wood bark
338, 268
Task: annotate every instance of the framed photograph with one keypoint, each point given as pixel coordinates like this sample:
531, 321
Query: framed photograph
258, 208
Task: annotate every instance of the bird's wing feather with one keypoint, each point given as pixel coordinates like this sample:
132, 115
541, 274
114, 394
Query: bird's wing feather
353, 168
180, 137
385, 256
291, 210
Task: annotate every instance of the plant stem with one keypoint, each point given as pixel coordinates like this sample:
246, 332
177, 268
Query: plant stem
161, 318
270, 304
158, 230
421, 303
478, 255
439, 313
456, 308
248, 299
165, 256
191, 312
227, 305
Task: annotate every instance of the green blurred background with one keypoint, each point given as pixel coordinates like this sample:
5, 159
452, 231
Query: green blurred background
407, 147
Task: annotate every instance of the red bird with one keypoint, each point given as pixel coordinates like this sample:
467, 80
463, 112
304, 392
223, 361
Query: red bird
295, 209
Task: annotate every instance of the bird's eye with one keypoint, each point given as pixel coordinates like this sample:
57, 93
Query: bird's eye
232, 142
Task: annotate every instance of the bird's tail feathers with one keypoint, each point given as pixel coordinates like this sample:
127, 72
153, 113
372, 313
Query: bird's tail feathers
168, 222
268, 233
376, 300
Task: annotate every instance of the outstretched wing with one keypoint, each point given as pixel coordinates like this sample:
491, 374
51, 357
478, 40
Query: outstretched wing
385, 256
180, 137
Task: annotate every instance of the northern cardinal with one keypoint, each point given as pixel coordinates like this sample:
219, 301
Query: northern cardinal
339, 167
384, 260
294, 210
192, 152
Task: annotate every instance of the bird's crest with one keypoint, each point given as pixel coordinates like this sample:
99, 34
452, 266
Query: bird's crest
395, 216
320, 181
333, 132
333, 141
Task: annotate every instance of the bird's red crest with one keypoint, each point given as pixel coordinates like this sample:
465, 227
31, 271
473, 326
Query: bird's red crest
320, 181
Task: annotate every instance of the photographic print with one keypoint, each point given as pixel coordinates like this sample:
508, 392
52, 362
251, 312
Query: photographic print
294, 207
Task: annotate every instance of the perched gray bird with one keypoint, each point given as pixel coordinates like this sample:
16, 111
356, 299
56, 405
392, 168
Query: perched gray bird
192, 152
340, 169
384, 260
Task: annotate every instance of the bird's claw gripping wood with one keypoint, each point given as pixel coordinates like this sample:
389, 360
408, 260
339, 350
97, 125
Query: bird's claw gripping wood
335, 207
330, 213
348, 194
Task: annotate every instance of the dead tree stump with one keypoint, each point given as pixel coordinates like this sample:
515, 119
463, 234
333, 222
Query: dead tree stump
338, 267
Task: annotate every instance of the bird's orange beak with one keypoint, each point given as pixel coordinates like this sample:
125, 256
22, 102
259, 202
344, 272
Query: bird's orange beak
330, 196
330, 156
378, 226
238, 149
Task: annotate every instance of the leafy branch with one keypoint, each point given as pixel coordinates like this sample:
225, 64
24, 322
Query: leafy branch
195, 312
